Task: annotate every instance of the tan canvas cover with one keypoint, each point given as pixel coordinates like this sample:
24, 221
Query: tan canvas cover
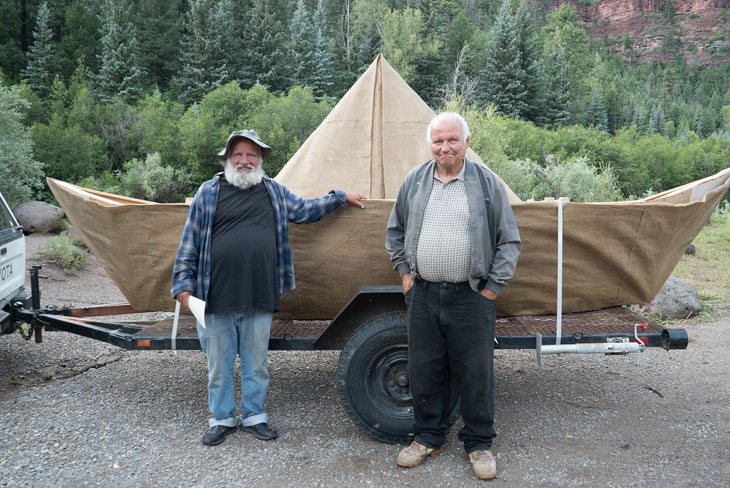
369, 142
614, 253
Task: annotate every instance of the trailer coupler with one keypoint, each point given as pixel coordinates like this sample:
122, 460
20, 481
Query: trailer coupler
622, 345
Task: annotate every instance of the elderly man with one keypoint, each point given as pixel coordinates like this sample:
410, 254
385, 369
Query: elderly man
453, 239
234, 254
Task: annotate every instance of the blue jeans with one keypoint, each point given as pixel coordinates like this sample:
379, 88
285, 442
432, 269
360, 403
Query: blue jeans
228, 334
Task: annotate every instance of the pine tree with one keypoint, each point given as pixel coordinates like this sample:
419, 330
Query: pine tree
42, 62
266, 46
639, 117
596, 113
202, 62
531, 64
159, 27
301, 50
79, 43
120, 74
503, 79
557, 88
225, 22
323, 79
657, 121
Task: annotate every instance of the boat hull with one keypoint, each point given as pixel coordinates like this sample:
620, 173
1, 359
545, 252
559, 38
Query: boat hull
613, 253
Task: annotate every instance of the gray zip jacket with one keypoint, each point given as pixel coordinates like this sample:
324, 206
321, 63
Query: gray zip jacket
495, 240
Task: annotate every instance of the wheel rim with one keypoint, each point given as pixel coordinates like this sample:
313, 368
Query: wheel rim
387, 382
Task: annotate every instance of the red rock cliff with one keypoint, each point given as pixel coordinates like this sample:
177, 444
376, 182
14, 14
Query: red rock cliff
700, 28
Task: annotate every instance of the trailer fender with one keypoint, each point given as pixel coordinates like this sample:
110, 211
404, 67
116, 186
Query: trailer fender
368, 303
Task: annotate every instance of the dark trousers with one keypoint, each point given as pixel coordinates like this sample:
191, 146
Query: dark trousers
451, 340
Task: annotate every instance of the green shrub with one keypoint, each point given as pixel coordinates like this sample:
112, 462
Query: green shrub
61, 250
576, 179
20, 170
108, 182
151, 180
62, 226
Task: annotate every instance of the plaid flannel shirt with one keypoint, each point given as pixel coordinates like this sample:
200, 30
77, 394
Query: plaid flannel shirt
192, 263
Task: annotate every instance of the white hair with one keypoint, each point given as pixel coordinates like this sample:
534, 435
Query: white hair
445, 116
244, 181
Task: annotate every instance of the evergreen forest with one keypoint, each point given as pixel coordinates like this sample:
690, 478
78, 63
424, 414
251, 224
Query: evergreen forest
137, 97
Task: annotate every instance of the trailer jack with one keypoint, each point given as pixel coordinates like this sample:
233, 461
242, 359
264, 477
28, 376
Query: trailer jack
621, 345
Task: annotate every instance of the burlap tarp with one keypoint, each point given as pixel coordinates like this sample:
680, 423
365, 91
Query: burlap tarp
614, 253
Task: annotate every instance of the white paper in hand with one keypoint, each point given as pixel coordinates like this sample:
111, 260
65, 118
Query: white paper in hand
197, 306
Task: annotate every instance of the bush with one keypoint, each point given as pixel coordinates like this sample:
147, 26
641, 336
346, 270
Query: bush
20, 173
108, 182
61, 251
151, 180
576, 179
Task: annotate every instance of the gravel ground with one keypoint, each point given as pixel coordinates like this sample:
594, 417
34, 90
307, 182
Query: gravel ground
76, 412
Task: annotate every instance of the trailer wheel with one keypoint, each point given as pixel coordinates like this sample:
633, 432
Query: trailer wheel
372, 379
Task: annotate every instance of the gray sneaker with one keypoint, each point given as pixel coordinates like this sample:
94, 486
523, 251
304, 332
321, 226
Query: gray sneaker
217, 434
261, 431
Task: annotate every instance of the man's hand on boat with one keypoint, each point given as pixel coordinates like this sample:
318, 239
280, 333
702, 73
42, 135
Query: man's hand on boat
183, 297
354, 199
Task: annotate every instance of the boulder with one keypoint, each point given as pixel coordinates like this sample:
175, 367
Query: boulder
37, 216
676, 300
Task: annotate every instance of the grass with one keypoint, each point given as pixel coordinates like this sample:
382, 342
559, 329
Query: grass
62, 251
708, 270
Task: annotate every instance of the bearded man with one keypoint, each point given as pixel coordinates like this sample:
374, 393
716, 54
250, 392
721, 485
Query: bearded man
234, 254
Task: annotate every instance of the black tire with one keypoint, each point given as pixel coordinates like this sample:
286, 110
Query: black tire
372, 379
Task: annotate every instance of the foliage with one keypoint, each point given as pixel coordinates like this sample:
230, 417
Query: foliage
120, 74
20, 172
323, 81
596, 115
300, 47
708, 269
42, 63
61, 251
107, 181
286, 122
576, 179
151, 180
266, 58
557, 88
504, 78
202, 58
662, 123
80, 43
405, 39
159, 27
283, 122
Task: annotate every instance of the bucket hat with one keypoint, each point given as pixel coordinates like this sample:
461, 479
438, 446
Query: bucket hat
252, 136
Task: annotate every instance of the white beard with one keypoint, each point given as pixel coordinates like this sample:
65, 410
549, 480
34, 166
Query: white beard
244, 181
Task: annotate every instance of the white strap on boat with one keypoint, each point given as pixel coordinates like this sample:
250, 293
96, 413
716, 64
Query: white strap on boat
174, 327
559, 312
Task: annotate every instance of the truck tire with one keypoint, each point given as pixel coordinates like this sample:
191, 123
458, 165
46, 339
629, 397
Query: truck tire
372, 379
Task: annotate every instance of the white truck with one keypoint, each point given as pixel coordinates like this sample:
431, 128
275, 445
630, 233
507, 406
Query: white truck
12, 267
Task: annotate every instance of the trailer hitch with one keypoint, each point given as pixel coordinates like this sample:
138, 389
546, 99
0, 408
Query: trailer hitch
619, 345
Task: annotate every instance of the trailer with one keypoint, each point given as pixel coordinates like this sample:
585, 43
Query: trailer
370, 331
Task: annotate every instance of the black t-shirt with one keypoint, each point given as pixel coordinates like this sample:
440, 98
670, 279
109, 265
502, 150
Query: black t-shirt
243, 251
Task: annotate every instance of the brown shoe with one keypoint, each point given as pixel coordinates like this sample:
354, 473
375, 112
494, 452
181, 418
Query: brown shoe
415, 454
485, 467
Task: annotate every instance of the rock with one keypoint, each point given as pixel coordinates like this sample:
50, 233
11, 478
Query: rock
37, 216
676, 300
